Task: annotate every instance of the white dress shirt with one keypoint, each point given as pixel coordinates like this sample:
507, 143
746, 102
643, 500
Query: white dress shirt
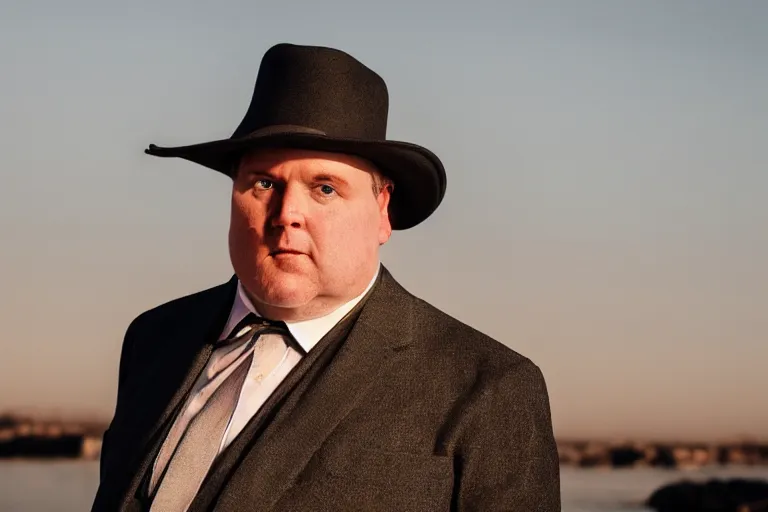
257, 388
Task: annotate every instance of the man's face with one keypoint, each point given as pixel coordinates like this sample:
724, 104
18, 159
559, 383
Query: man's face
305, 230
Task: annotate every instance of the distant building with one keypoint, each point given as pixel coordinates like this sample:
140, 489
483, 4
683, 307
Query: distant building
91, 448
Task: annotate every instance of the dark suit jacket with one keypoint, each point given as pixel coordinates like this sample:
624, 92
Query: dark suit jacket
400, 408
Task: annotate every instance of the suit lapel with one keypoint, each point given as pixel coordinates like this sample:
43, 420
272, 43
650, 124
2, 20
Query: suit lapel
309, 416
258, 429
180, 366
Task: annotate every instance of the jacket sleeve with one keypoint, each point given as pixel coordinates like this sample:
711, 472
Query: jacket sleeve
509, 461
126, 354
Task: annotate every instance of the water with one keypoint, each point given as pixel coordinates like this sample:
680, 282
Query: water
31, 486
605, 490
69, 486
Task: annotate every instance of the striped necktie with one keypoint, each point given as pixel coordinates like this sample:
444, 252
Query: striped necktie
182, 465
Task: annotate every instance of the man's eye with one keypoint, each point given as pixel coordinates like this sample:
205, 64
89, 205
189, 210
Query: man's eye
327, 190
264, 184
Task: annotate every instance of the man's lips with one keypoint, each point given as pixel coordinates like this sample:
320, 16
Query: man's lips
278, 252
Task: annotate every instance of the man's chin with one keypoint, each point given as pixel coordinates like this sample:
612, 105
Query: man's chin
288, 290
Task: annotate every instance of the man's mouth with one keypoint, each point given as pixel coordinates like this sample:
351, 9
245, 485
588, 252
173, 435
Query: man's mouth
279, 252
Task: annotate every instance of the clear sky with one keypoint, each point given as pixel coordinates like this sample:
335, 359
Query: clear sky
606, 212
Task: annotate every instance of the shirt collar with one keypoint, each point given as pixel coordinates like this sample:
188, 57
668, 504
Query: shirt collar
306, 332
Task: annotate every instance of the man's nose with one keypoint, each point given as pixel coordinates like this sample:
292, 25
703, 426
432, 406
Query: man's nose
288, 208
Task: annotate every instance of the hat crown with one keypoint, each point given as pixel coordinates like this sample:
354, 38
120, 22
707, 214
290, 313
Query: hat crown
320, 89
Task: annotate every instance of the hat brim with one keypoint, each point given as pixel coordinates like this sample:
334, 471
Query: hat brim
418, 174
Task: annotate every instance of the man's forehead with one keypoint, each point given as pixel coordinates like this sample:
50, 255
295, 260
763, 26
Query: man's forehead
266, 158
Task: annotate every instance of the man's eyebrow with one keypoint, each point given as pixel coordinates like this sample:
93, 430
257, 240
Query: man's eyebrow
331, 178
263, 170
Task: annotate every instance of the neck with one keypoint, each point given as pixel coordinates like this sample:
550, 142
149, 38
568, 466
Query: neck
318, 307
314, 309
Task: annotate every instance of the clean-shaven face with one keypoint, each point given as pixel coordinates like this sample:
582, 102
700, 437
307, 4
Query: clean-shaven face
305, 230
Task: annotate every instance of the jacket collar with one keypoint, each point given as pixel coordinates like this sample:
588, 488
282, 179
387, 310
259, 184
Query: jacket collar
303, 412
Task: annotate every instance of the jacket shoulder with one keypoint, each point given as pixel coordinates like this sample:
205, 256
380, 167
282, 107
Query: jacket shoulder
184, 306
464, 346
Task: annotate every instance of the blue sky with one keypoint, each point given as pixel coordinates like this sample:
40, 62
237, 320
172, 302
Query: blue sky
605, 214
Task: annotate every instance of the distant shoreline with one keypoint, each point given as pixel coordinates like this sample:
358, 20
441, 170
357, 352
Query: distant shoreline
24, 438
679, 455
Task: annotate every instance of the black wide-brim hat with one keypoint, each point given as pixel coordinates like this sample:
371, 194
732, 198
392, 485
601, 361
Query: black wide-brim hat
323, 99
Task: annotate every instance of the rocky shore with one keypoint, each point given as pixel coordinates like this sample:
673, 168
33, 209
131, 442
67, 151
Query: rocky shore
663, 455
736, 495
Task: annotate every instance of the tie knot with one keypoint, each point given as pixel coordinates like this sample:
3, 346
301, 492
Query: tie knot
252, 324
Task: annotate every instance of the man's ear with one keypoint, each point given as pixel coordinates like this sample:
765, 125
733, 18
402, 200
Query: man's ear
385, 226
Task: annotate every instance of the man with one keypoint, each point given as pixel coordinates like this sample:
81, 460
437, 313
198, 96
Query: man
311, 380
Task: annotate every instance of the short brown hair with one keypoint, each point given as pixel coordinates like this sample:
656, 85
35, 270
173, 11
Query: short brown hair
380, 182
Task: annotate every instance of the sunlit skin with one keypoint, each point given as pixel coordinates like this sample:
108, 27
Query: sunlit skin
305, 230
